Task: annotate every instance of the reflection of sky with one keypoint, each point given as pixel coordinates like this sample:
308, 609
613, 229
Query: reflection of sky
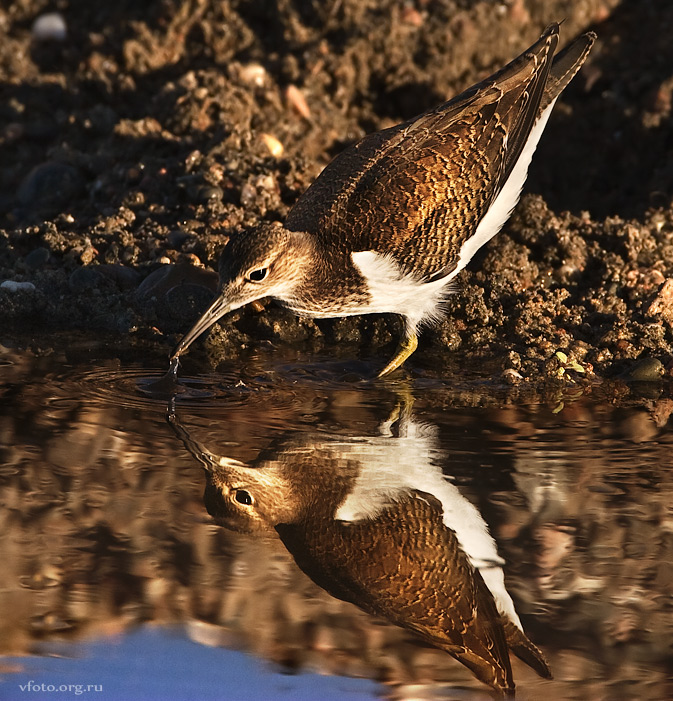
153, 664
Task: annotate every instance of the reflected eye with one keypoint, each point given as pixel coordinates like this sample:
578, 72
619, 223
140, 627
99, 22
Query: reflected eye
243, 497
258, 275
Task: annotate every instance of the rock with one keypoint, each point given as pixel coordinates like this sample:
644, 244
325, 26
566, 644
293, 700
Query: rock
50, 26
662, 304
14, 286
159, 282
176, 238
49, 186
185, 303
202, 194
84, 278
645, 370
36, 258
126, 278
276, 148
253, 74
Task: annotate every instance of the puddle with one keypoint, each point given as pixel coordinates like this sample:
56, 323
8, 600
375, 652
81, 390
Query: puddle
105, 529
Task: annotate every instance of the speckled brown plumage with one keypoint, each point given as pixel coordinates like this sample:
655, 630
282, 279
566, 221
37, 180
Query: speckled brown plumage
419, 189
387, 225
400, 561
407, 567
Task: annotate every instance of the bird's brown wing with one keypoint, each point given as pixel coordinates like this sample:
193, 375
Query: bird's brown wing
433, 178
407, 567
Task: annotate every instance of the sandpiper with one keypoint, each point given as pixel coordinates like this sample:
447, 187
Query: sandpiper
392, 220
374, 521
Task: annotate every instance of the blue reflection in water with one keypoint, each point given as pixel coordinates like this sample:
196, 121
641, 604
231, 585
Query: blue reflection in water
154, 663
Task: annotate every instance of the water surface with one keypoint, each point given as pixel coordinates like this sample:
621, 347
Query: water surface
105, 531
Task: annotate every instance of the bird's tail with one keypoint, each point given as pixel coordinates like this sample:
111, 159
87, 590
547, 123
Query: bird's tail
565, 66
525, 650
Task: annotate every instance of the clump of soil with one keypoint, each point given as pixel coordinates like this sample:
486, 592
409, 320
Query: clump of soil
138, 143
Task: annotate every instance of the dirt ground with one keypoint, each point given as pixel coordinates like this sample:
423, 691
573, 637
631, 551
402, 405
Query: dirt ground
135, 143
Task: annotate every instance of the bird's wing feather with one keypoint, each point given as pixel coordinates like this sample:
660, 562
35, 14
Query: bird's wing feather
407, 567
437, 173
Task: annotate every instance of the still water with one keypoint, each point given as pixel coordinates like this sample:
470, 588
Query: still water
389, 495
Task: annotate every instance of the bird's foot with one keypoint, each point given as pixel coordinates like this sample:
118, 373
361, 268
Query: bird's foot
407, 346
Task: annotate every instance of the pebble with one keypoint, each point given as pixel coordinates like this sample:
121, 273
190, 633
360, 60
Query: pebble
36, 258
49, 185
295, 98
161, 281
85, 278
14, 286
176, 238
248, 194
276, 149
662, 304
646, 370
253, 74
184, 303
126, 278
202, 194
50, 26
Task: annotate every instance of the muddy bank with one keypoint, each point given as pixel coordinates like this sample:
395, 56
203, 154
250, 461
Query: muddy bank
136, 144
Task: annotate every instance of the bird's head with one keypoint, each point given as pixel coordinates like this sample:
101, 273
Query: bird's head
248, 499
267, 261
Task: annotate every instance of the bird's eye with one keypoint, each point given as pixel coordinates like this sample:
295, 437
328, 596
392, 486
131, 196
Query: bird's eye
243, 497
258, 275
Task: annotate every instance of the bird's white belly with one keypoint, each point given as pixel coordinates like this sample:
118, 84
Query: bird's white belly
393, 292
392, 466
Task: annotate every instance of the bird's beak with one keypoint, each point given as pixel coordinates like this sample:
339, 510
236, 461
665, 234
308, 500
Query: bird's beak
215, 311
212, 464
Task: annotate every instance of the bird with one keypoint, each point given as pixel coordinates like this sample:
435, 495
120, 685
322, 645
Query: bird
391, 221
375, 522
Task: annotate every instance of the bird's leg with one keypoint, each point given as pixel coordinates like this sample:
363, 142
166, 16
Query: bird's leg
407, 346
402, 413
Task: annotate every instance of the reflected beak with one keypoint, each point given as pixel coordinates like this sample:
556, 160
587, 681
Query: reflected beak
214, 312
212, 464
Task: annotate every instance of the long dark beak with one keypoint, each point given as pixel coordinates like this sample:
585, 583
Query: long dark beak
210, 462
197, 449
214, 312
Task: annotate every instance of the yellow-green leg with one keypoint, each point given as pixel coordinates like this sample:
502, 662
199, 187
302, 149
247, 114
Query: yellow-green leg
407, 346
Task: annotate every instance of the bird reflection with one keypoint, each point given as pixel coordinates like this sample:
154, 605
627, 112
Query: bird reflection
374, 521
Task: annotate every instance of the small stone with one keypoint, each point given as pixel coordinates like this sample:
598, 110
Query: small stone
101, 119
253, 74
276, 149
511, 376
176, 238
49, 185
662, 304
14, 286
248, 194
296, 100
412, 16
84, 279
160, 281
50, 26
203, 194
184, 303
646, 370
125, 278
36, 258
87, 254
265, 182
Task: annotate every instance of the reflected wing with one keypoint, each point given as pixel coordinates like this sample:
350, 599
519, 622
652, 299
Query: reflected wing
408, 568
